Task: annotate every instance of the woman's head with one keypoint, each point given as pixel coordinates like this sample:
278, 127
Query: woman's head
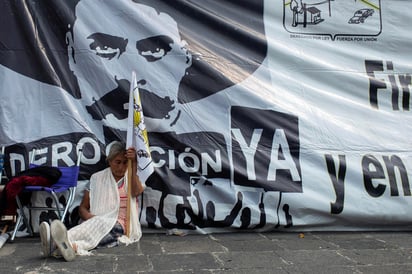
117, 159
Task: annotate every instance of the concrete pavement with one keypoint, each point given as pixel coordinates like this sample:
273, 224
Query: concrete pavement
272, 252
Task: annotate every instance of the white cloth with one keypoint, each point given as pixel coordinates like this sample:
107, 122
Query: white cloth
104, 204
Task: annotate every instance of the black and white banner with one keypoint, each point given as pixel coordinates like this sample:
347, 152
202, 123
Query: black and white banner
262, 114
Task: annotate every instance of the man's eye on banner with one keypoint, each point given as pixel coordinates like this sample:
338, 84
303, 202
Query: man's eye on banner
218, 53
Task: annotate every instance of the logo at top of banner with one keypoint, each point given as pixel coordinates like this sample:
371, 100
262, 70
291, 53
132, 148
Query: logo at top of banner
338, 19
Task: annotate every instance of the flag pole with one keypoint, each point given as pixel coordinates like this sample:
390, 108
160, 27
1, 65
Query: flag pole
129, 190
130, 143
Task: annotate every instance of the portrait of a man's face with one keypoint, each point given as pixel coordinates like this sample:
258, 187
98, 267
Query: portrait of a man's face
89, 49
103, 53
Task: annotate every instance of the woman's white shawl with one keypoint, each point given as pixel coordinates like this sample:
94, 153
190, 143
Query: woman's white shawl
104, 204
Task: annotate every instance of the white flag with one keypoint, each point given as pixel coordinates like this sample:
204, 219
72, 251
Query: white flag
137, 134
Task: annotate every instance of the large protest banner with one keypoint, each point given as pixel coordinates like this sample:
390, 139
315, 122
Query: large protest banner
262, 114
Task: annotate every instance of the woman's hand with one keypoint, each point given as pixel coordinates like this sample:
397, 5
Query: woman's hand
137, 186
131, 154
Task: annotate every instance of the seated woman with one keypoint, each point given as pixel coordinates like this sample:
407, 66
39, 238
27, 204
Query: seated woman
103, 209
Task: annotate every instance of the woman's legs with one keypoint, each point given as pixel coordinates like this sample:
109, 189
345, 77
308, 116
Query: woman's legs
110, 239
55, 236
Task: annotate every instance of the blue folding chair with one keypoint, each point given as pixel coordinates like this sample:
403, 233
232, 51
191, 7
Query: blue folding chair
66, 183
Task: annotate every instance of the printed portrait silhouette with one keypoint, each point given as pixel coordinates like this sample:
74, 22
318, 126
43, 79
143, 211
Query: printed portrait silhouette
222, 54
